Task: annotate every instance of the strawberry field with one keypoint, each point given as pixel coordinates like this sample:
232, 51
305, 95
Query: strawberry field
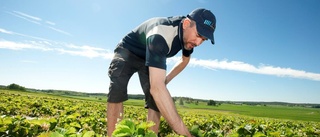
34, 114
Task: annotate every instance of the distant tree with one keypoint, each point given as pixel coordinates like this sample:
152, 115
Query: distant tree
181, 102
188, 100
211, 103
174, 99
196, 103
316, 106
14, 86
3, 87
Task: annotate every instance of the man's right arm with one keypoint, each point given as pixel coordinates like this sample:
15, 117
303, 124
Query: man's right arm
164, 101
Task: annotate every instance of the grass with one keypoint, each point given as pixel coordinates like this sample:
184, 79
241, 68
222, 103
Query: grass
278, 112
91, 98
134, 102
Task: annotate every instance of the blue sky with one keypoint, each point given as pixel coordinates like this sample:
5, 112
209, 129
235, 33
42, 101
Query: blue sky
266, 50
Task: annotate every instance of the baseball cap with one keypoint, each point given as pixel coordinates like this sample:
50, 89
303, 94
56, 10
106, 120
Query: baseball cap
205, 22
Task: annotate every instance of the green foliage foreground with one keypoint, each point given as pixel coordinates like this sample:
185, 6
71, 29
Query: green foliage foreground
29, 114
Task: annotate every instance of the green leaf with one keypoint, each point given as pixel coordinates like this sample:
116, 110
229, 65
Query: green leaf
145, 125
56, 134
122, 135
241, 131
71, 117
194, 130
140, 131
79, 135
275, 134
128, 123
35, 122
45, 134
88, 134
75, 124
52, 120
122, 131
3, 129
77, 114
7, 120
259, 134
150, 134
71, 130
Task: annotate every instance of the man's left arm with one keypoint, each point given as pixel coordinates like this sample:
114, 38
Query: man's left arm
179, 66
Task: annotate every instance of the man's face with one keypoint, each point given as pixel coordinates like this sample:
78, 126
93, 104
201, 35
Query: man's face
191, 38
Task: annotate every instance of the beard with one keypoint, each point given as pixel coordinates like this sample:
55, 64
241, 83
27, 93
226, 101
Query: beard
189, 46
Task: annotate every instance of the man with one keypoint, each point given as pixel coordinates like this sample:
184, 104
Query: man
145, 50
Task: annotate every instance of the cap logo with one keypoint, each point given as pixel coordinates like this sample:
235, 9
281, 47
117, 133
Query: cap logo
209, 23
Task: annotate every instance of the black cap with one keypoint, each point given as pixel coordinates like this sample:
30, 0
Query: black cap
205, 22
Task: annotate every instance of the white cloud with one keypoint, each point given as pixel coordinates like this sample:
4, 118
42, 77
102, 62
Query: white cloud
60, 31
71, 49
50, 23
23, 35
19, 46
262, 69
5, 31
27, 16
13, 45
85, 47
29, 19
84, 52
287, 72
37, 20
